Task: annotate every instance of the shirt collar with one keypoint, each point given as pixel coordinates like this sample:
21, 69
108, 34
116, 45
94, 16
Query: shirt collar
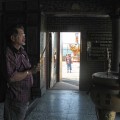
16, 50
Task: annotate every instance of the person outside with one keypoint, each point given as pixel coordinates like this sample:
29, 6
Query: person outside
68, 60
19, 76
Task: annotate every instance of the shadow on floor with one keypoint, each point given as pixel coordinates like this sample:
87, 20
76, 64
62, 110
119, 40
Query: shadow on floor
69, 81
64, 86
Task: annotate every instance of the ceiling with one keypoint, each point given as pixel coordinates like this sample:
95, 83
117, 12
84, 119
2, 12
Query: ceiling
76, 8
90, 8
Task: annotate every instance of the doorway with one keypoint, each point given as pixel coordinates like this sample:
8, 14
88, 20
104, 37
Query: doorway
69, 44
70, 47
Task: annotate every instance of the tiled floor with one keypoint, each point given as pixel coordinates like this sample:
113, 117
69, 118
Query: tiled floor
64, 102
65, 85
62, 105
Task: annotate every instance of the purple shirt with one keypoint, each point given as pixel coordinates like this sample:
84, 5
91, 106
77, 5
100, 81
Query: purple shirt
17, 61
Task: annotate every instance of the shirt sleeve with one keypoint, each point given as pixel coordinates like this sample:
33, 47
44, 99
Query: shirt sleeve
11, 65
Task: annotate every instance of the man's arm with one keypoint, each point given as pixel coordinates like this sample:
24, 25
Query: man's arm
18, 76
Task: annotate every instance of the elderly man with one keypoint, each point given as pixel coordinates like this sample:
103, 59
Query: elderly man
19, 72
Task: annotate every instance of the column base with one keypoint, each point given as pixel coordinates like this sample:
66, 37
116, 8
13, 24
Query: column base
105, 114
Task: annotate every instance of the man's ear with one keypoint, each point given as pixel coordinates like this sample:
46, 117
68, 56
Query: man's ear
12, 38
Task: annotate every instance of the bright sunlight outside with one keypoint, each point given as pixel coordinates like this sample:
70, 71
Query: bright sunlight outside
71, 46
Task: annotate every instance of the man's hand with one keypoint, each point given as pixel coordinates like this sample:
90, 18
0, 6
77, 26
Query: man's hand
35, 69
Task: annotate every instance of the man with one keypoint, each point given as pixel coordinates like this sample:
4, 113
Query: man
68, 62
20, 79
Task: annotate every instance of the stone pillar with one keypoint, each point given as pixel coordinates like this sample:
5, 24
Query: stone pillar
116, 41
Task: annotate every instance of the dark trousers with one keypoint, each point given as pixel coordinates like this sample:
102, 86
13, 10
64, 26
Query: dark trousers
69, 67
14, 110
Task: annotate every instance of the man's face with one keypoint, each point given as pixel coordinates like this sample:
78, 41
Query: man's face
20, 38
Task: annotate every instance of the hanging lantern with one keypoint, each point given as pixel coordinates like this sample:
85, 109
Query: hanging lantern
75, 48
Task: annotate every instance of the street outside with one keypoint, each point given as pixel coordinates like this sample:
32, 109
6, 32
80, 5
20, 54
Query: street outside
73, 77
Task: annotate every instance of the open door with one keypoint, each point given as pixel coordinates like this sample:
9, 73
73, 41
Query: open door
52, 61
48, 59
